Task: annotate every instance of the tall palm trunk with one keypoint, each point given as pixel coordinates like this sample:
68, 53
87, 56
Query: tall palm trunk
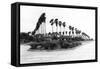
41, 29
52, 22
60, 23
45, 29
64, 27
56, 28
52, 28
56, 22
60, 29
72, 33
64, 31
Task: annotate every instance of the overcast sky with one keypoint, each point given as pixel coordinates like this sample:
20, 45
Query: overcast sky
82, 19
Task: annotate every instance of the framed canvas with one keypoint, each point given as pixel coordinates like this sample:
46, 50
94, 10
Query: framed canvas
43, 34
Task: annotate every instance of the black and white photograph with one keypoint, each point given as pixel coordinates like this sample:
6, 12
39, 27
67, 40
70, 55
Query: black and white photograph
55, 34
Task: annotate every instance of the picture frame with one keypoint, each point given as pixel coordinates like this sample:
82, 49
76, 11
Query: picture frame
21, 21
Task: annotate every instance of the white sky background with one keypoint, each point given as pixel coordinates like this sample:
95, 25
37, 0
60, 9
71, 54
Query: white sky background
82, 19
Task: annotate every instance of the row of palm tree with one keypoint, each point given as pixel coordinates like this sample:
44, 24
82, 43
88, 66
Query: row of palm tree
57, 23
72, 30
78, 32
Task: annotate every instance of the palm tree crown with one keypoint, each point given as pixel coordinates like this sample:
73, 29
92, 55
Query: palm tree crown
64, 24
52, 21
56, 22
70, 27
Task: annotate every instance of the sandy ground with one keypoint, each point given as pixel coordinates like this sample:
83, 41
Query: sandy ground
82, 52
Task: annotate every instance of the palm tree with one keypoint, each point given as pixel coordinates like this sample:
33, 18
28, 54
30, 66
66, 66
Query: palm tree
41, 19
70, 27
69, 33
44, 28
84, 34
77, 32
72, 30
75, 29
56, 22
52, 22
64, 25
66, 32
63, 32
60, 23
